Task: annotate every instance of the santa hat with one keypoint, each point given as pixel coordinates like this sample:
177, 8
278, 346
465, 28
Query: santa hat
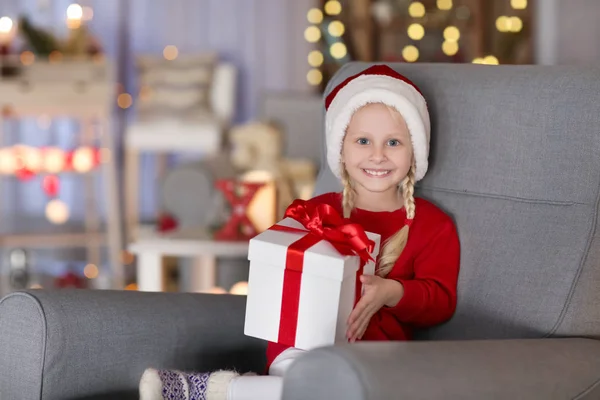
377, 84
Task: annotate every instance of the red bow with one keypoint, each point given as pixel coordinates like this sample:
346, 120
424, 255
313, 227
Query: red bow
323, 222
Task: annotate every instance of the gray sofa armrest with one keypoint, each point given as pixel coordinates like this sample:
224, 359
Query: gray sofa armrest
76, 344
548, 369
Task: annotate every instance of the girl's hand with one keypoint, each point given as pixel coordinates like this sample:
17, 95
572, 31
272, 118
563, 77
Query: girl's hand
378, 292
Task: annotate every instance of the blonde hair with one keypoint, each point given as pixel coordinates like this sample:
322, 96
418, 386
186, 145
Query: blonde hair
395, 244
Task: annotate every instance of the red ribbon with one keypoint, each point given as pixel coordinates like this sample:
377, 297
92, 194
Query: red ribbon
322, 222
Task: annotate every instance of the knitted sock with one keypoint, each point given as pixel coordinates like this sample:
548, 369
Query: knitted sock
179, 385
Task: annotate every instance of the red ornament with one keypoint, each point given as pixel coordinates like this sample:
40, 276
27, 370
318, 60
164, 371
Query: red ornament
51, 185
69, 280
239, 226
166, 223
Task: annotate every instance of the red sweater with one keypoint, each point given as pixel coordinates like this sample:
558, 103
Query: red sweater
427, 268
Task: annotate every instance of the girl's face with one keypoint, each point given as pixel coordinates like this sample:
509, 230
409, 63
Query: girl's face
377, 150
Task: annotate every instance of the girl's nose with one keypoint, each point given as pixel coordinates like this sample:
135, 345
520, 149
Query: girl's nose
378, 154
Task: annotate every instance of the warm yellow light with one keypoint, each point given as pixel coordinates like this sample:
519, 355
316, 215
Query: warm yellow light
240, 288
416, 31
57, 212
83, 159
416, 10
478, 60
27, 57
502, 23
6, 25
338, 50
124, 100
74, 11
55, 57
333, 7
444, 4
8, 162
410, 53
32, 158
314, 77
131, 286
216, 290
54, 160
127, 257
491, 60
516, 24
314, 16
336, 28
262, 209
518, 4
90, 271
170, 52
451, 34
450, 48
312, 34
315, 58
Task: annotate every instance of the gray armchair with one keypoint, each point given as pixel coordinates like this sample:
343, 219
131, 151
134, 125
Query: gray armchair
515, 160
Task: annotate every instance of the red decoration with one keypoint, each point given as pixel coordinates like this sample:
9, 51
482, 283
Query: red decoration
51, 185
166, 223
322, 222
239, 226
70, 280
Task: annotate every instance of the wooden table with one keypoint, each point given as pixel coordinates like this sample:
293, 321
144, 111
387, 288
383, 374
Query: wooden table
194, 243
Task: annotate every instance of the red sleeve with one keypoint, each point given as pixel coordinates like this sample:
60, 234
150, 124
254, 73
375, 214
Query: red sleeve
430, 297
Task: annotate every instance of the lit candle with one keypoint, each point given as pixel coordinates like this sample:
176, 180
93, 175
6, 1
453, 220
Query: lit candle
74, 16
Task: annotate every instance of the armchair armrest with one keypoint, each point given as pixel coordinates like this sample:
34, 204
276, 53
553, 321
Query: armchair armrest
546, 369
73, 344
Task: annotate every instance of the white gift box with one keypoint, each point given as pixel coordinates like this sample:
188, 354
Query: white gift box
306, 309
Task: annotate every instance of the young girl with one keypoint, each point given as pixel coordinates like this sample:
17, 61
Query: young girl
377, 134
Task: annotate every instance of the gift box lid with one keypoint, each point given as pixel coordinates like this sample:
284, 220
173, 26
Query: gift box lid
322, 259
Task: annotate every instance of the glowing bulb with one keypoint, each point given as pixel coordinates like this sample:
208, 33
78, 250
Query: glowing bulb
518, 4
444, 4
57, 212
410, 53
8, 162
336, 28
333, 7
450, 48
6, 25
502, 23
416, 31
240, 288
216, 290
312, 34
124, 100
478, 60
451, 34
27, 57
516, 24
338, 50
314, 77
170, 52
491, 60
315, 58
314, 16
416, 10
90, 271
75, 12
83, 159
53, 160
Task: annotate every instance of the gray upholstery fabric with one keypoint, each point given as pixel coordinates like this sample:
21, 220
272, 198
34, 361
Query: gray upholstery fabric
548, 369
515, 160
96, 344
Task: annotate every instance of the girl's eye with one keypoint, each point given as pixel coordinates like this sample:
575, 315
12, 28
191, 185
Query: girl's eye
393, 142
362, 141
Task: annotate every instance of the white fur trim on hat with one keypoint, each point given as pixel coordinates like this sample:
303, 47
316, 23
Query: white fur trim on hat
384, 89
